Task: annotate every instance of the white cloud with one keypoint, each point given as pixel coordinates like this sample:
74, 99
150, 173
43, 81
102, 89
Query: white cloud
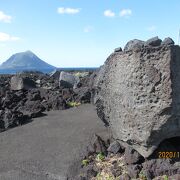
4, 17
62, 10
125, 12
109, 13
152, 28
6, 37
88, 29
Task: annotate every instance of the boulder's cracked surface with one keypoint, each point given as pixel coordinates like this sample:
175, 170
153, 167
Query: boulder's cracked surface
138, 94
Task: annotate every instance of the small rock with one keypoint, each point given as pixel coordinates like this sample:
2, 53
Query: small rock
132, 156
19, 83
32, 109
67, 94
124, 177
55, 74
119, 49
67, 80
155, 41
133, 45
83, 95
34, 95
116, 172
134, 170
97, 145
59, 104
115, 147
38, 81
88, 172
9, 118
167, 42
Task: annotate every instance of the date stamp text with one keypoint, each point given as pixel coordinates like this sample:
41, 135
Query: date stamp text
168, 154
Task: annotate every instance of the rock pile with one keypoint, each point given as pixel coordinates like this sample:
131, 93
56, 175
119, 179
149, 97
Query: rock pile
138, 93
119, 162
28, 95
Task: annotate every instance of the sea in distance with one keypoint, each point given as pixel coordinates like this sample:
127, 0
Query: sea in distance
47, 71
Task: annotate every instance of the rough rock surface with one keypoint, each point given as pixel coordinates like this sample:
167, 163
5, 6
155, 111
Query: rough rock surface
19, 83
97, 145
167, 41
67, 80
55, 74
9, 118
119, 49
137, 94
134, 44
115, 147
132, 156
155, 41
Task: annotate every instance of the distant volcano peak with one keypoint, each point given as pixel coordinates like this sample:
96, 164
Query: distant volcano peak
26, 61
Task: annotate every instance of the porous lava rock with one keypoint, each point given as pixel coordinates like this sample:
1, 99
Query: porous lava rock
19, 83
67, 80
138, 94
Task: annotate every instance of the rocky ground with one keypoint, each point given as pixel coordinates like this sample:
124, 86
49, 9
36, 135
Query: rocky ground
113, 161
28, 95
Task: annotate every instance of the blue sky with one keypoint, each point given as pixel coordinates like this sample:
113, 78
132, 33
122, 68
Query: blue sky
79, 33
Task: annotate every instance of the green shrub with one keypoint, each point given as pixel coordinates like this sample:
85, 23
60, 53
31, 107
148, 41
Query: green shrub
165, 177
85, 162
73, 104
142, 176
100, 156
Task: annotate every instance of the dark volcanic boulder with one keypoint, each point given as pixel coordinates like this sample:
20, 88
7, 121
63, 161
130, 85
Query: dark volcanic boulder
34, 95
67, 80
97, 145
132, 156
133, 171
119, 49
138, 95
82, 95
10, 100
55, 74
133, 45
53, 100
9, 118
115, 147
155, 41
32, 109
59, 103
167, 41
19, 83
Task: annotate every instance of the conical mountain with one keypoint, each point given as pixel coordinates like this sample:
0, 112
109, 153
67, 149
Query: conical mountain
25, 61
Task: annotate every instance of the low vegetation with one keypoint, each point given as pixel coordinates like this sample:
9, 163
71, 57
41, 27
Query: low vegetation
112, 167
73, 104
85, 162
142, 176
100, 157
